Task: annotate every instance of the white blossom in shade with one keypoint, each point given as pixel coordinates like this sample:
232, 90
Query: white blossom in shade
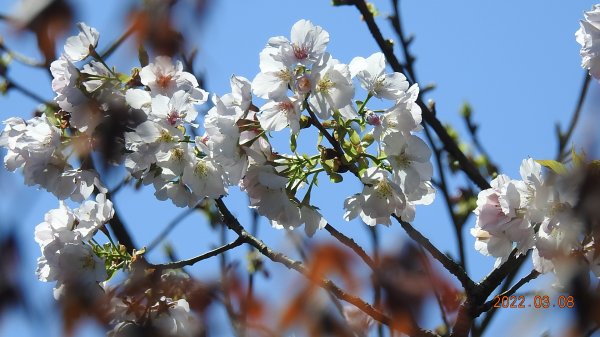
276, 74
266, 190
77, 47
172, 160
588, 36
70, 98
95, 76
307, 43
14, 128
73, 264
423, 195
57, 222
240, 95
277, 114
177, 192
165, 78
409, 157
404, 116
312, 219
379, 199
222, 139
332, 87
76, 184
205, 178
371, 74
92, 215
174, 319
139, 99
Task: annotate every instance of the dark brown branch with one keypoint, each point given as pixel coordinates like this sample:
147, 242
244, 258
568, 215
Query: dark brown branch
121, 232
453, 267
183, 263
350, 243
489, 304
232, 223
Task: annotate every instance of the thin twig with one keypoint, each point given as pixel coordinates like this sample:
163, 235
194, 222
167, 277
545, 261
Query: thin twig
490, 304
350, 243
183, 263
453, 267
336, 145
449, 144
438, 298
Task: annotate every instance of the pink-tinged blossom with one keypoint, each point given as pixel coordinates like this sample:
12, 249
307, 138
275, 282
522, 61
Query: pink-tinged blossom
277, 114
307, 44
164, 77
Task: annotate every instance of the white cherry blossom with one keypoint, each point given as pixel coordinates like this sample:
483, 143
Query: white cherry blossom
371, 74
77, 47
588, 36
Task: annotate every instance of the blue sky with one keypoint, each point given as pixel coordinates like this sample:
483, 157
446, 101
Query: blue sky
516, 62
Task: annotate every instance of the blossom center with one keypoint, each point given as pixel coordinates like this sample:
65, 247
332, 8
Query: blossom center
379, 84
300, 52
163, 81
284, 75
383, 189
402, 160
177, 154
172, 117
285, 107
165, 136
324, 85
201, 169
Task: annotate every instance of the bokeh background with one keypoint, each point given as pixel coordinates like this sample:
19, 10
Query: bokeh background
515, 62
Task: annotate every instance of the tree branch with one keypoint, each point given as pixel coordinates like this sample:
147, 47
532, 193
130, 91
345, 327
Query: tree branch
232, 223
449, 144
453, 267
350, 243
489, 304
183, 263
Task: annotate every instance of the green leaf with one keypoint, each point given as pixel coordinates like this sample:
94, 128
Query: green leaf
335, 177
553, 165
354, 137
293, 143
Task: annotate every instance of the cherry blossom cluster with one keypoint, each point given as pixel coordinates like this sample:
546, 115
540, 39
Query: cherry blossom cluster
588, 37
163, 144
67, 255
537, 212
